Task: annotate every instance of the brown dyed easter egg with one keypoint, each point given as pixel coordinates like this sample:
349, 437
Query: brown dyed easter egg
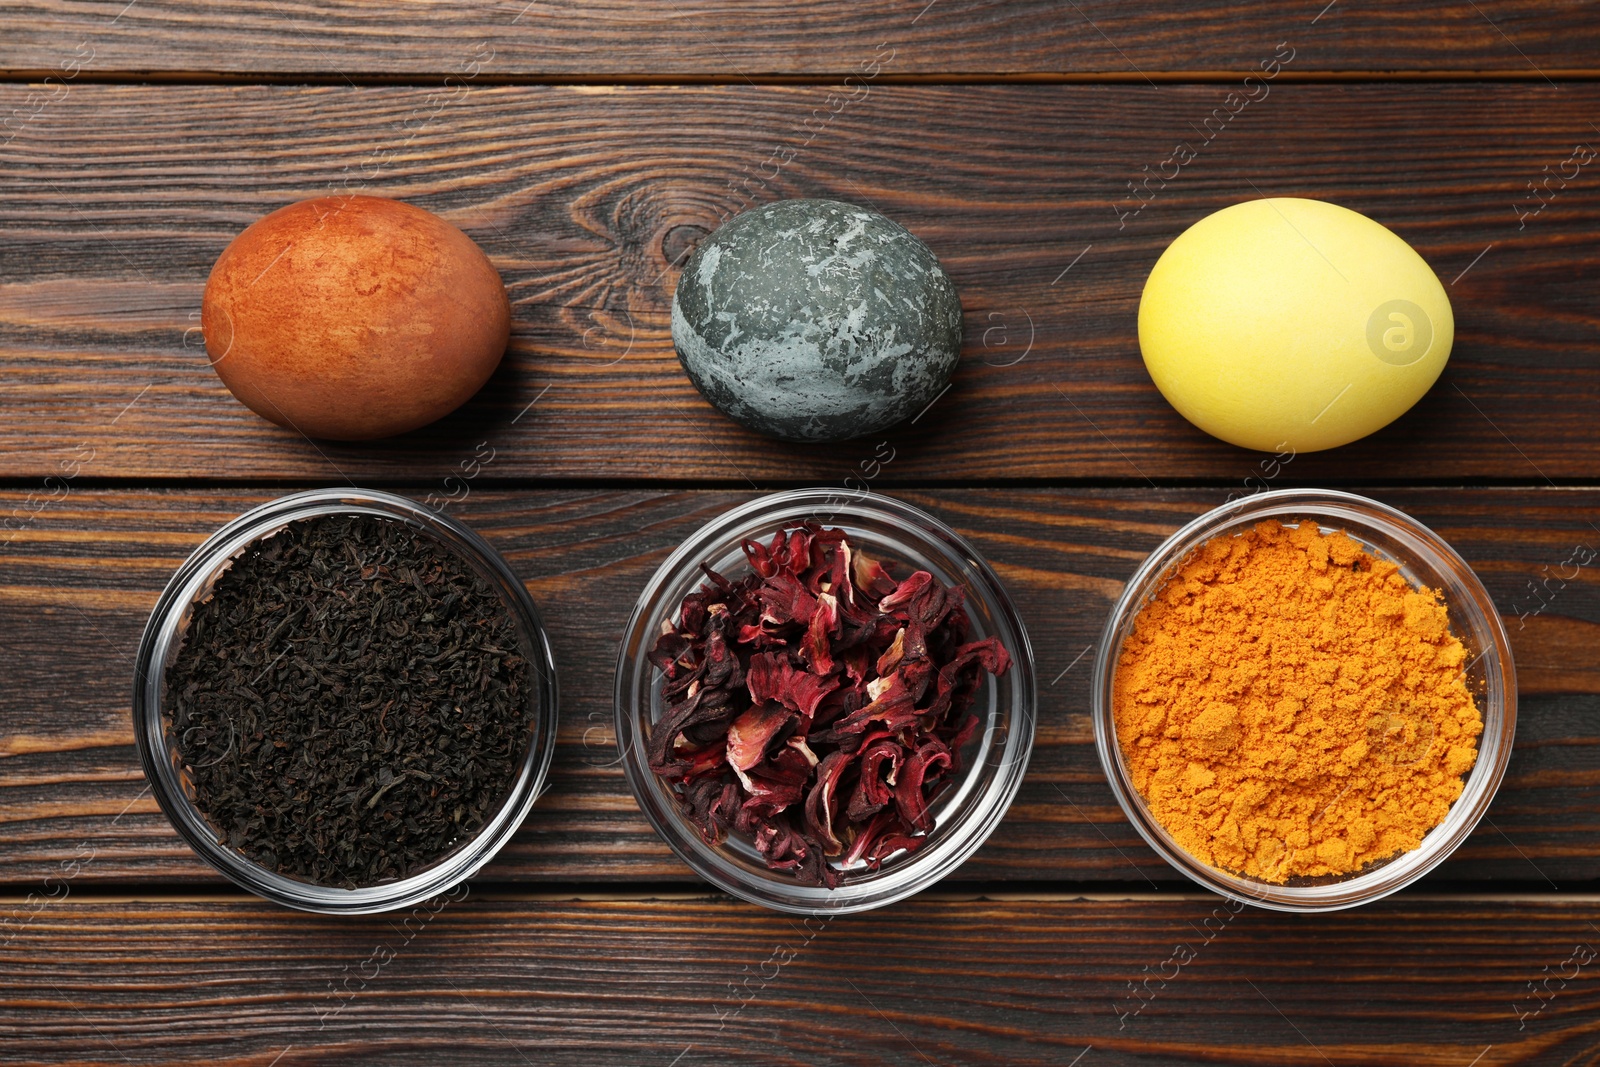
354, 317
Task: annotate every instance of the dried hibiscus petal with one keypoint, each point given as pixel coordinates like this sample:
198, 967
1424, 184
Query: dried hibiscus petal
771, 678
821, 632
709, 803
925, 764
753, 731
817, 704
777, 783
819, 803
888, 845
784, 599
880, 764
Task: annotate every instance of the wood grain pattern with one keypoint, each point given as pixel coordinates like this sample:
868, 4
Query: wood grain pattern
115, 200
728, 39
1413, 981
82, 575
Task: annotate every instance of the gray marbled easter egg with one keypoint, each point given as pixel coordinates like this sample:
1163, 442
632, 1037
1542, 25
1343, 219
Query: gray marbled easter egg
815, 320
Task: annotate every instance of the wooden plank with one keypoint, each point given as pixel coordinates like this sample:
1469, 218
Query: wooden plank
115, 200
1418, 981
81, 576
726, 39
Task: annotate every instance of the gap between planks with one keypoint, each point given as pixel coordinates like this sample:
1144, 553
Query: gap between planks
530, 483
707, 896
427, 79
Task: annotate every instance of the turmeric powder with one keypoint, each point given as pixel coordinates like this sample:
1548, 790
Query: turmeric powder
1289, 706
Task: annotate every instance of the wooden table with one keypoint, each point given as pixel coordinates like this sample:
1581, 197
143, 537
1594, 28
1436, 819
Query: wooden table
587, 147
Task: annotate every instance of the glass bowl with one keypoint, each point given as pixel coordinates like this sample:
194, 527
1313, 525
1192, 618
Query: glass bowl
994, 760
1424, 560
169, 781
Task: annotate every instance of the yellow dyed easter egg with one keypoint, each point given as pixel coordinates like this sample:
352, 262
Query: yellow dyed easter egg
1286, 324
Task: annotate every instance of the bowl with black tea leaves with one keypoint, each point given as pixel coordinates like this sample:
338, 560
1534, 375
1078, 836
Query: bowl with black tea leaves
345, 701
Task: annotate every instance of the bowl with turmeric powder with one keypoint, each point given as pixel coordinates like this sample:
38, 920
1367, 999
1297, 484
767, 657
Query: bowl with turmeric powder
1304, 700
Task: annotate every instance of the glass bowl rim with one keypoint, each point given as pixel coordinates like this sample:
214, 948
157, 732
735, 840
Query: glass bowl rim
162, 631
897, 880
1498, 703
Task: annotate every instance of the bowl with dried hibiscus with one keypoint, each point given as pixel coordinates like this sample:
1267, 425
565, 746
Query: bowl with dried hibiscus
825, 704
